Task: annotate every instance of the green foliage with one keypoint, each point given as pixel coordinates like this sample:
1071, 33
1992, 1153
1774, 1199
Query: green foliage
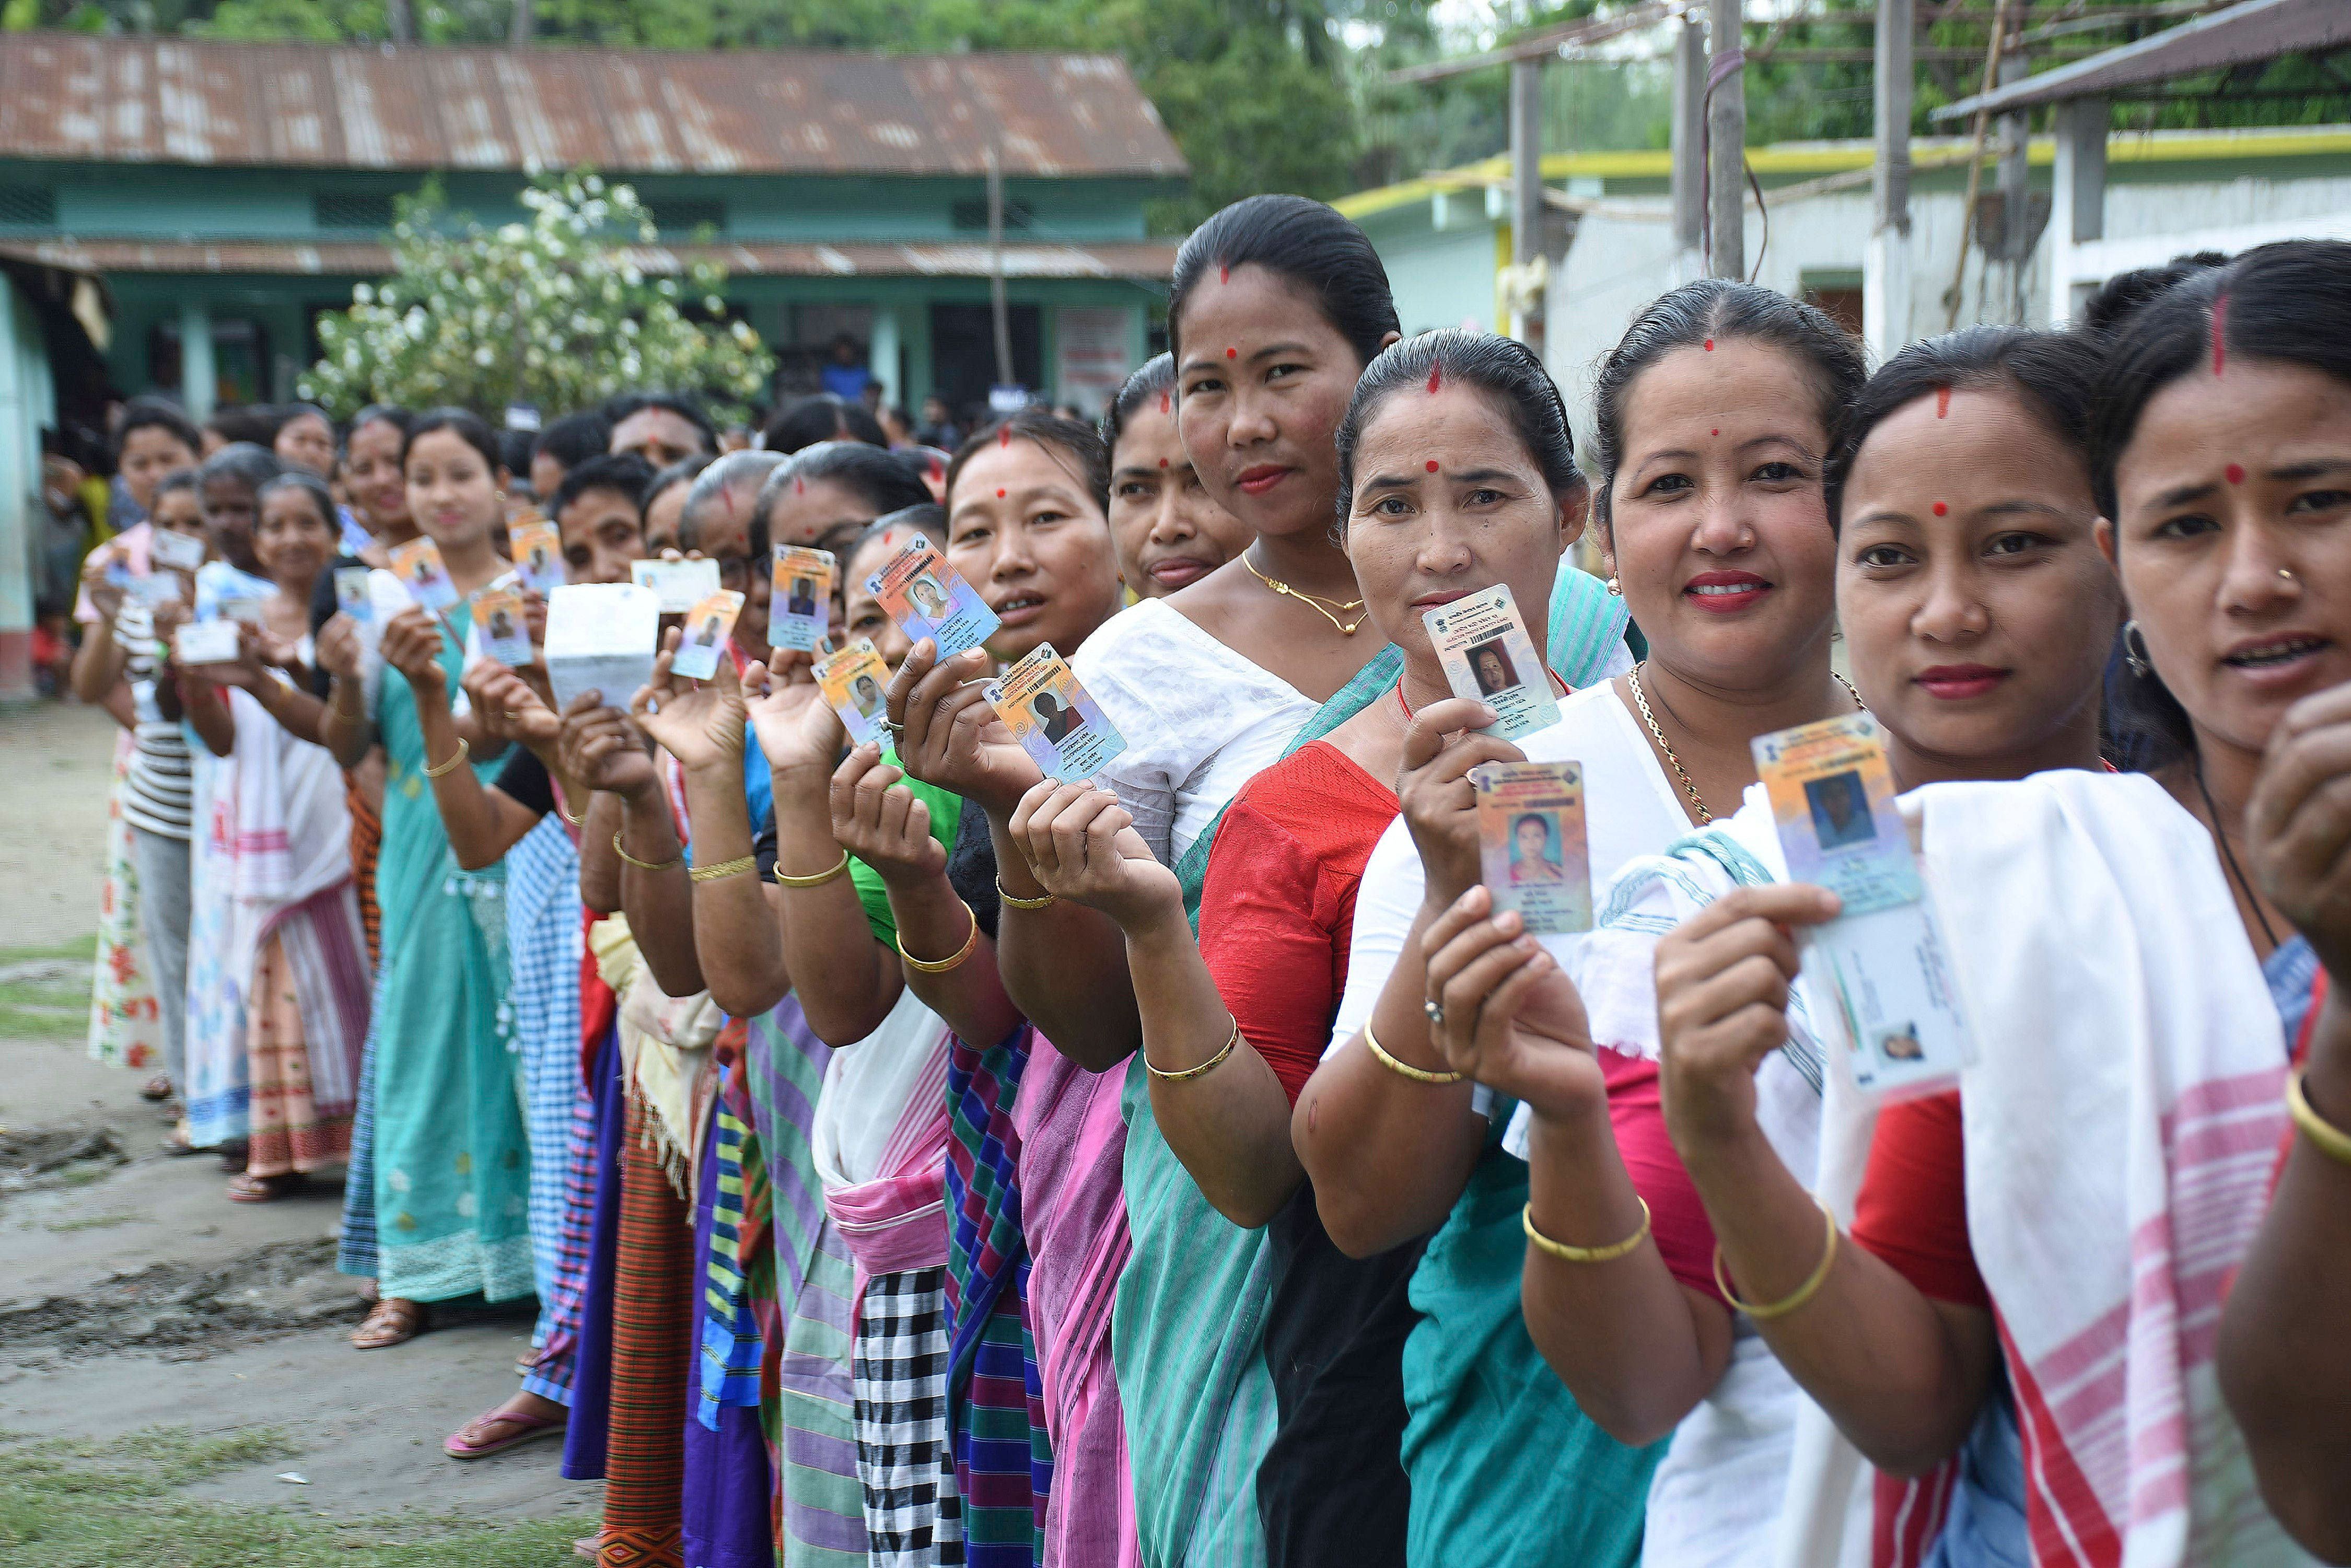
557, 312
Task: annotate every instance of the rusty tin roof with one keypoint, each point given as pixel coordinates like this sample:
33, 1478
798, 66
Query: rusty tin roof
626, 111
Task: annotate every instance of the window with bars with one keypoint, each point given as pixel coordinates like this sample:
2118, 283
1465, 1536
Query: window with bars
351, 212
28, 207
683, 218
971, 217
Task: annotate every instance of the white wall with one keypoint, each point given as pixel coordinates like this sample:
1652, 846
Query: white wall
1442, 280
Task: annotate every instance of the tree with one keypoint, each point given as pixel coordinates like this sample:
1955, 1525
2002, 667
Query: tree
558, 312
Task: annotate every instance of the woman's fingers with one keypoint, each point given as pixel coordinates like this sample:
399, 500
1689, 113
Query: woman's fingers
892, 812
1500, 1014
1468, 990
1457, 916
1423, 737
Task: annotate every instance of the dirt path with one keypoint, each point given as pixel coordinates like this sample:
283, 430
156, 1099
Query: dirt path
133, 1294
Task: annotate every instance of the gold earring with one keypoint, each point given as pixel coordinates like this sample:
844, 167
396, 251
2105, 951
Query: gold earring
1615, 588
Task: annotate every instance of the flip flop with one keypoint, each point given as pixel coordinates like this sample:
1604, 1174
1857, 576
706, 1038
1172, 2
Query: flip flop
403, 1320
156, 1089
517, 1431
247, 1189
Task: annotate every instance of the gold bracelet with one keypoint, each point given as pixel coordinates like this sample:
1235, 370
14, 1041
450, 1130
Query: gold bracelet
1012, 903
670, 865
724, 869
1607, 1254
578, 821
819, 880
2332, 1140
1211, 1065
1417, 1074
465, 749
941, 965
1797, 1297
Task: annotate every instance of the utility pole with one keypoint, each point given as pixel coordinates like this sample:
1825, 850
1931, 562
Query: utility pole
1527, 192
1689, 136
996, 268
1886, 276
1725, 130
399, 22
519, 36
2015, 185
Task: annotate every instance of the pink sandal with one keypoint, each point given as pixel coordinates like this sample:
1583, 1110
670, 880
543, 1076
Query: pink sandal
473, 1440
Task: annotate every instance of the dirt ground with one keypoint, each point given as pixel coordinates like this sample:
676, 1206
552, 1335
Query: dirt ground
134, 1295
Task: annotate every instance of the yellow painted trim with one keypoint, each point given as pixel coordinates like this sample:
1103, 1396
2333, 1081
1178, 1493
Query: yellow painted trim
1503, 251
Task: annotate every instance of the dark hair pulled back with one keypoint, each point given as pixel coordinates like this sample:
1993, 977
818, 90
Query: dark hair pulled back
311, 485
885, 481
1305, 242
249, 462
1719, 309
467, 427
822, 417
389, 413
1505, 369
925, 518
1157, 379
1080, 443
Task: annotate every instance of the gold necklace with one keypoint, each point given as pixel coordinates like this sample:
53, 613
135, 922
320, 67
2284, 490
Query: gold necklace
1312, 602
1641, 701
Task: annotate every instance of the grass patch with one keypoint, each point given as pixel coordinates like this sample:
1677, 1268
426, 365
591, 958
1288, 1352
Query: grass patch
95, 1222
84, 948
117, 1504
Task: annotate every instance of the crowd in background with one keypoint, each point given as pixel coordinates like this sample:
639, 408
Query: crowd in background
917, 1159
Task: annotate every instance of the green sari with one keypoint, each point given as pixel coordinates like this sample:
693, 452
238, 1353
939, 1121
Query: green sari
452, 1158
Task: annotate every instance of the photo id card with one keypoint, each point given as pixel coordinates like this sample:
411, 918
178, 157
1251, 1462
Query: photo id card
1056, 723
1530, 843
539, 557
601, 637
681, 584
1883, 961
928, 598
352, 595
155, 587
181, 552
205, 643
705, 638
799, 613
1482, 643
856, 682
504, 627
418, 566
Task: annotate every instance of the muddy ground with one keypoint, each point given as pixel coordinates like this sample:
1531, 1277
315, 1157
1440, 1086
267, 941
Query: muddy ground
133, 1294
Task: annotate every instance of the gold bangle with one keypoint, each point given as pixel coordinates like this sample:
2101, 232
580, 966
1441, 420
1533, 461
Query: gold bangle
2332, 1140
465, 749
670, 865
1417, 1074
819, 880
1797, 1297
941, 965
578, 821
1213, 1063
1011, 902
1607, 1254
724, 869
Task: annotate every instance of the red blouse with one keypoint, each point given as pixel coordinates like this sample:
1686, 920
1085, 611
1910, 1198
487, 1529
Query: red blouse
1912, 1211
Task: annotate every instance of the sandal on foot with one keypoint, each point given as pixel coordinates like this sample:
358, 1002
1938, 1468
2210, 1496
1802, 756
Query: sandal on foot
391, 1321
244, 1188
177, 1143
233, 1156
156, 1089
496, 1432
591, 1547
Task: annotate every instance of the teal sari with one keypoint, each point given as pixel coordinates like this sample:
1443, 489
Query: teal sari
452, 1152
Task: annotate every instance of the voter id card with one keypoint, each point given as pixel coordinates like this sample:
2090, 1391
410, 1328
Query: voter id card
854, 681
1057, 724
681, 584
1482, 642
418, 566
707, 625
928, 598
1531, 844
539, 556
504, 627
799, 613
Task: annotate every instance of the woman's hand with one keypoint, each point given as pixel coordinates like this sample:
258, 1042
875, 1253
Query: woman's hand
1723, 978
949, 737
881, 821
2298, 825
1083, 845
700, 723
509, 707
1433, 791
339, 647
600, 749
798, 730
1509, 1020
105, 597
412, 645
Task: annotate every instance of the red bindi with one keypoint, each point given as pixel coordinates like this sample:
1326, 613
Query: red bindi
2236, 473
1224, 274
999, 495
1163, 402
1941, 510
1436, 380
1942, 402
1709, 345
1163, 463
800, 485
1232, 353
1432, 464
1004, 437
1714, 432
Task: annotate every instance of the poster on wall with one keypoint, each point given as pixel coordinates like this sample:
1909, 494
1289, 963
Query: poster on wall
1092, 353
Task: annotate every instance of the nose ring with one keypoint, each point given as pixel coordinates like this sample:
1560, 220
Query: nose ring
2286, 572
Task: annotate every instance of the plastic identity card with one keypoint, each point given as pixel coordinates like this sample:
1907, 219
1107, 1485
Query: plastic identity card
1482, 643
1059, 726
352, 595
539, 556
499, 615
1531, 844
601, 637
1883, 959
704, 637
205, 643
246, 608
682, 584
418, 566
856, 682
928, 598
181, 552
155, 587
799, 613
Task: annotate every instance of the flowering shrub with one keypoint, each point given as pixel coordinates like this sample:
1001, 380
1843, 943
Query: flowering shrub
561, 312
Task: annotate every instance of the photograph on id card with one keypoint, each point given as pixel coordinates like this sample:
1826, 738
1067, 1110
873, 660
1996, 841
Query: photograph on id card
1056, 723
418, 566
539, 556
799, 613
855, 683
1832, 801
928, 598
352, 595
681, 584
704, 637
504, 627
1531, 844
1481, 640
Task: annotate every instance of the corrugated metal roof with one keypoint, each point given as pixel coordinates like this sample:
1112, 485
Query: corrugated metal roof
2243, 35
1141, 260
626, 111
